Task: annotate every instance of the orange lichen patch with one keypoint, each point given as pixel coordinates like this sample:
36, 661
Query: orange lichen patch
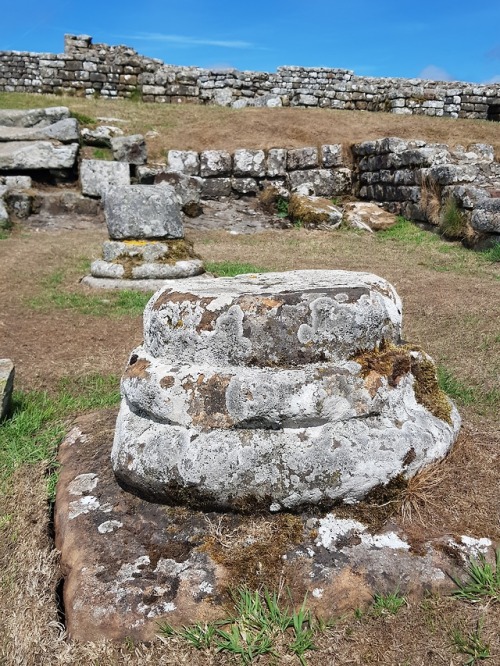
178, 250
373, 381
137, 370
258, 304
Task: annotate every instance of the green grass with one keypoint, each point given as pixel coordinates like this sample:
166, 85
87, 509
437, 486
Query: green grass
83, 119
108, 304
384, 604
407, 232
465, 394
231, 268
472, 645
259, 625
452, 223
483, 581
36, 426
4, 234
102, 154
493, 254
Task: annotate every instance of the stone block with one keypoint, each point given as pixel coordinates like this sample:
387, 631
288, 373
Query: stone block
276, 162
6, 386
33, 117
65, 131
302, 158
244, 185
314, 212
100, 136
486, 216
321, 182
332, 155
213, 188
18, 182
188, 190
185, 161
215, 163
131, 149
97, 176
143, 212
36, 155
249, 163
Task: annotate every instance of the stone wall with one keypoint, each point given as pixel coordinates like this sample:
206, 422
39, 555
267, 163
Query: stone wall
119, 71
420, 181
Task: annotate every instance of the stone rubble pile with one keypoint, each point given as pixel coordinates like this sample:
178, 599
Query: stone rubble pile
275, 391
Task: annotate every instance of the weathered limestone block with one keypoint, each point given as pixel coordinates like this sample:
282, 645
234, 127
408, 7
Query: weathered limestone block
18, 182
97, 176
142, 211
331, 155
276, 162
249, 163
33, 155
486, 216
244, 185
131, 149
276, 391
215, 163
188, 190
213, 188
368, 216
33, 117
100, 136
65, 130
314, 212
186, 161
302, 158
322, 182
6, 386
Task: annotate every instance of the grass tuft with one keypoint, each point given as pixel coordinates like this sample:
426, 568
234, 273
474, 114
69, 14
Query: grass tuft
493, 253
258, 625
483, 582
452, 221
384, 604
407, 232
471, 644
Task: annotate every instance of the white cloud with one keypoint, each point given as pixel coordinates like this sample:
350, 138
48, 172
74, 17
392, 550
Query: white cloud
183, 40
434, 73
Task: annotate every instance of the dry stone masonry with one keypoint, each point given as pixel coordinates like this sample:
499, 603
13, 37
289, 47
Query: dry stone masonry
276, 391
118, 71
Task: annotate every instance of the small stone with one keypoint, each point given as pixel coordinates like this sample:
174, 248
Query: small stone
6, 386
18, 182
368, 216
131, 149
100, 136
97, 176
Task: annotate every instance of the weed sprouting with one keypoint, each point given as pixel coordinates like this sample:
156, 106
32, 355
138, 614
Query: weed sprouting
493, 253
483, 582
282, 207
387, 603
452, 221
83, 119
471, 644
258, 625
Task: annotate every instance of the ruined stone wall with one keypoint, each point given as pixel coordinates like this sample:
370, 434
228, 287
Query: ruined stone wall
118, 71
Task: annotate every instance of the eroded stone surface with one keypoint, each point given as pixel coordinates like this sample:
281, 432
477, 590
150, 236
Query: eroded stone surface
33, 155
98, 176
368, 216
6, 385
131, 149
33, 117
251, 392
143, 212
65, 130
130, 564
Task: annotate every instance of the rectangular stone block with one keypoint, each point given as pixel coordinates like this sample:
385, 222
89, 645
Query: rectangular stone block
97, 176
6, 386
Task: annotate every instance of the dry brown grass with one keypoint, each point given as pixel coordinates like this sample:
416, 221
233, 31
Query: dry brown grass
192, 127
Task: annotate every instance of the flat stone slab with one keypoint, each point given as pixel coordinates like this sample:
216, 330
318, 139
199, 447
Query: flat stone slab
34, 155
118, 283
65, 130
129, 564
33, 117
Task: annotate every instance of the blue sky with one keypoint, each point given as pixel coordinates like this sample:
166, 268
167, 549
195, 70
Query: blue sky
435, 39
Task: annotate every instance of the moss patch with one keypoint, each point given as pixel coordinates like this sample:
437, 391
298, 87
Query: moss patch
178, 250
252, 551
395, 361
